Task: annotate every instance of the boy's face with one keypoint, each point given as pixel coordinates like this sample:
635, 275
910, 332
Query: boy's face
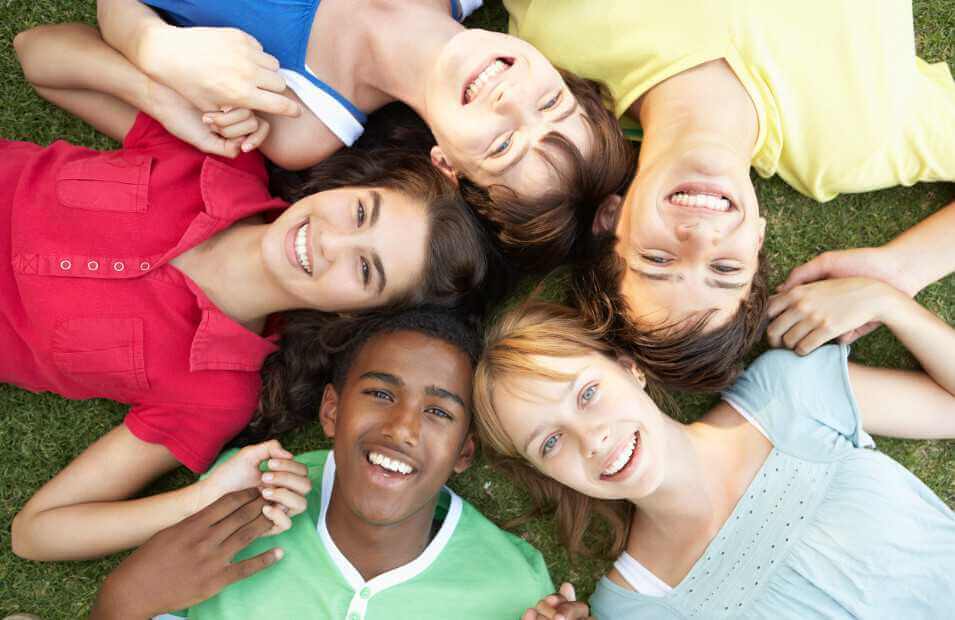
400, 425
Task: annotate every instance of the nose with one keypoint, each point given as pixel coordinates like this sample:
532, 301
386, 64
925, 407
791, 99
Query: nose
595, 440
506, 98
403, 425
332, 242
699, 232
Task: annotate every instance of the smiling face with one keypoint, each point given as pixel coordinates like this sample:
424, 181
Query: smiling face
490, 101
347, 249
401, 425
689, 232
598, 432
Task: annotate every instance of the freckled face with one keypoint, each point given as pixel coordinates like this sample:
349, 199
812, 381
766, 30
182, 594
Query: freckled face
490, 100
352, 248
598, 432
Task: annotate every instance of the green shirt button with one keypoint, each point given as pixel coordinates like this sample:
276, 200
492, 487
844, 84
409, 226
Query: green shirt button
365, 593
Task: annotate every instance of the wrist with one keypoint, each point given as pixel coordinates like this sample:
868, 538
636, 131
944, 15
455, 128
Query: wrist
148, 54
116, 602
899, 260
202, 493
892, 305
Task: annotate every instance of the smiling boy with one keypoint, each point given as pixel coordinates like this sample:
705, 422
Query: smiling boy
382, 536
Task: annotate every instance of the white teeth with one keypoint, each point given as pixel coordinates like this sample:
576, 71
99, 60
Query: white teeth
705, 201
301, 248
376, 458
622, 459
489, 72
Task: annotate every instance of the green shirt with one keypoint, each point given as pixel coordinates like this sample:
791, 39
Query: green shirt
471, 569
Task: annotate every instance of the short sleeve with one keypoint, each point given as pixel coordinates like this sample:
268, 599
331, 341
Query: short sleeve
193, 434
802, 403
516, 10
146, 131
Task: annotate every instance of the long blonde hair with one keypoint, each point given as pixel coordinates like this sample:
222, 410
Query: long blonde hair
540, 328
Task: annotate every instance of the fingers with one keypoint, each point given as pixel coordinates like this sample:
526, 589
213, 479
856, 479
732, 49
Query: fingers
270, 80
267, 61
572, 610
816, 269
239, 518
288, 465
226, 505
278, 519
294, 502
813, 340
256, 138
531, 614
272, 103
228, 116
239, 130
297, 483
780, 325
265, 450
247, 568
261, 525
567, 591
797, 332
859, 332
217, 145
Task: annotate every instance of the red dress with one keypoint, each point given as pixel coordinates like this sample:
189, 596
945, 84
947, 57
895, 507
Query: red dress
89, 304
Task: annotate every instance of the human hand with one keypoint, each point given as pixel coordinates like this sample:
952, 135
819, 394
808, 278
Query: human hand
215, 68
809, 315
560, 606
241, 124
190, 561
286, 482
876, 263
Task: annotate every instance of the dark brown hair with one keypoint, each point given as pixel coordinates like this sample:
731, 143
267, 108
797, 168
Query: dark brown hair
688, 357
540, 233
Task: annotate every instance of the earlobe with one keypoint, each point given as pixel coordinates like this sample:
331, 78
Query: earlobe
328, 410
441, 162
605, 220
630, 366
466, 455
762, 231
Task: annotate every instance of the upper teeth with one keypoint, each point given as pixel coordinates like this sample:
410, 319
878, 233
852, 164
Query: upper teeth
622, 459
490, 71
376, 458
706, 201
301, 248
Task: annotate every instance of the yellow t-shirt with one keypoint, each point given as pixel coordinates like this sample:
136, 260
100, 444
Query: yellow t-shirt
844, 105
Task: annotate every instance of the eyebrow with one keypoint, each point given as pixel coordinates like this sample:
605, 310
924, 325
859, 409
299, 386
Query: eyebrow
433, 390
571, 388
671, 277
375, 206
382, 280
527, 147
384, 377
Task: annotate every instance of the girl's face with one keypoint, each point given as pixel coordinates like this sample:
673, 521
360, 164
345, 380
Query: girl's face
598, 433
347, 249
490, 100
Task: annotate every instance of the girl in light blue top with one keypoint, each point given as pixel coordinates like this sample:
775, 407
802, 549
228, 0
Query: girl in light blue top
774, 503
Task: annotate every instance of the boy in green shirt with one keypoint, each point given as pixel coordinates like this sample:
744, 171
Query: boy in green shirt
382, 536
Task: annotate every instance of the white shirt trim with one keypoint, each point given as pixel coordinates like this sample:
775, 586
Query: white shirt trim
328, 110
394, 577
749, 418
469, 6
639, 576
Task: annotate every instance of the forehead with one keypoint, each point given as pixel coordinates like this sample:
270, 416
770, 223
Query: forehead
535, 172
404, 230
419, 360
653, 303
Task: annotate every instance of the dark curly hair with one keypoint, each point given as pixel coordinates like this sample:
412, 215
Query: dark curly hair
689, 357
317, 348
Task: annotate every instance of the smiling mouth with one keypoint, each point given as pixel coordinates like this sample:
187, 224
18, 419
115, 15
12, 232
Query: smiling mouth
717, 203
302, 253
473, 87
624, 459
390, 465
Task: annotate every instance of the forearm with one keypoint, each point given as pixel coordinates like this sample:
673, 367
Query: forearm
115, 602
74, 57
127, 26
92, 529
925, 253
930, 339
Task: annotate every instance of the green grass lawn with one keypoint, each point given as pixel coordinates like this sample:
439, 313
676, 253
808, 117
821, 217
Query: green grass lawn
40, 434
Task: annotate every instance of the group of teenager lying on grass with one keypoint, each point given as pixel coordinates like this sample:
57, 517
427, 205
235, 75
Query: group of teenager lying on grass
230, 301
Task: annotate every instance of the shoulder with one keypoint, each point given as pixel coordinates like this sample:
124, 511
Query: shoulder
612, 601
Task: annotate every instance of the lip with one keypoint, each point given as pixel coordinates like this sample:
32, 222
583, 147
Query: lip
382, 476
290, 253
705, 187
488, 60
631, 464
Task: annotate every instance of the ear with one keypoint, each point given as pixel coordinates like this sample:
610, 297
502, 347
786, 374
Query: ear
466, 455
442, 163
605, 220
328, 410
630, 366
762, 231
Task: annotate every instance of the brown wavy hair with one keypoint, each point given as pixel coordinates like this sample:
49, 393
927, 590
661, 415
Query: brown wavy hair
540, 233
689, 357
540, 328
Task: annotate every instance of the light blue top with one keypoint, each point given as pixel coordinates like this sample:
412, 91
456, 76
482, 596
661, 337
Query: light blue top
827, 529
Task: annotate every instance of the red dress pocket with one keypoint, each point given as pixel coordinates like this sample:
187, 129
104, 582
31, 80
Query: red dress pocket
115, 181
105, 355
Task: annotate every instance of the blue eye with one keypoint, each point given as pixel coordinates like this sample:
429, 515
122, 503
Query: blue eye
552, 103
549, 444
502, 147
441, 413
659, 260
588, 394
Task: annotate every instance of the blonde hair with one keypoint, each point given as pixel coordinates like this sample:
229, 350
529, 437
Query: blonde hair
512, 346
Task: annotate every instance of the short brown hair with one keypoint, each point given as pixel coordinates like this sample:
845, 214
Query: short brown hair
539, 233
688, 357
532, 329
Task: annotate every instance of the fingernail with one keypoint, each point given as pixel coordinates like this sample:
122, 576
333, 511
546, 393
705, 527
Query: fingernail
246, 147
279, 553
207, 119
267, 477
268, 492
273, 463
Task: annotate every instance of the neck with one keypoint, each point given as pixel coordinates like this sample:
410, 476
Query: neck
401, 57
375, 549
229, 269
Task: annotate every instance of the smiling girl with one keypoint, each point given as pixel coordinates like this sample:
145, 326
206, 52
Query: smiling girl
528, 144
147, 275
773, 504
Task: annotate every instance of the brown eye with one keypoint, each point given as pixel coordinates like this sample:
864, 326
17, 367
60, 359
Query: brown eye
360, 214
365, 271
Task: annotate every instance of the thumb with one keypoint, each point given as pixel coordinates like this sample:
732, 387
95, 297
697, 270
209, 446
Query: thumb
567, 591
814, 270
268, 449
